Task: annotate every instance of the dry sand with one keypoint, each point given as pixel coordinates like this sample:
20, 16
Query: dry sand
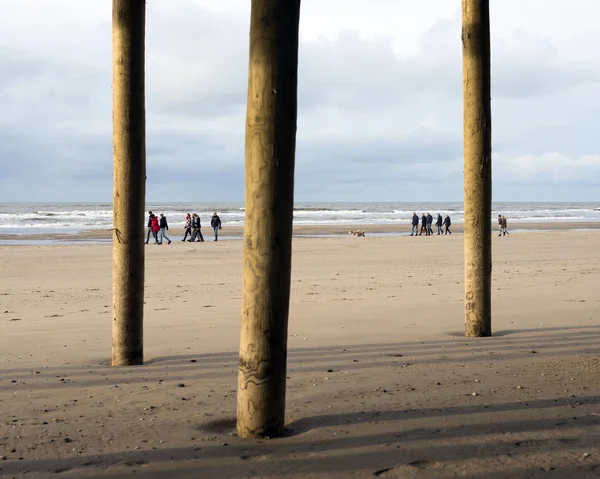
381, 381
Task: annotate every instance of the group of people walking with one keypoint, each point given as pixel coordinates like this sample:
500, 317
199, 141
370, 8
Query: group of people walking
427, 225
444, 224
158, 224
193, 227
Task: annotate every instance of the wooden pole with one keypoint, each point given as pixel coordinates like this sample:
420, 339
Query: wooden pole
478, 166
269, 202
129, 181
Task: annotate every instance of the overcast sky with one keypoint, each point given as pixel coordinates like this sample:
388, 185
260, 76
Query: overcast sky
380, 100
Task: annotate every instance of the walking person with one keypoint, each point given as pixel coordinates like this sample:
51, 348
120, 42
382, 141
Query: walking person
424, 225
215, 222
447, 224
164, 227
196, 232
415, 225
439, 223
500, 228
155, 228
504, 226
188, 227
429, 224
150, 216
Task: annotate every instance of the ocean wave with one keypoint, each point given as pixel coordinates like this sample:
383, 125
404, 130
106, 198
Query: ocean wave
81, 216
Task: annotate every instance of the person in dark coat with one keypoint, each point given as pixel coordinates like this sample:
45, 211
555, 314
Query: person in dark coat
429, 224
197, 232
439, 223
150, 216
415, 225
447, 224
215, 222
424, 225
164, 227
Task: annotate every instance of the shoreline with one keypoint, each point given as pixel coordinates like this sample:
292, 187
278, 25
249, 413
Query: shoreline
236, 232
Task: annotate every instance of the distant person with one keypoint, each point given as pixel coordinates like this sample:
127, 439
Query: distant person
439, 223
155, 228
504, 226
150, 216
164, 227
215, 222
196, 232
188, 227
429, 224
415, 225
499, 225
424, 225
447, 224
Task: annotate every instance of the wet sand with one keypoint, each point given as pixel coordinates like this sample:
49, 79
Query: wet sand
306, 230
381, 381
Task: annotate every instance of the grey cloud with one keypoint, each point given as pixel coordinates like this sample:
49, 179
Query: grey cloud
400, 119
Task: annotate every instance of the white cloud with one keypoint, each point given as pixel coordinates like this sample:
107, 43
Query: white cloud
379, 99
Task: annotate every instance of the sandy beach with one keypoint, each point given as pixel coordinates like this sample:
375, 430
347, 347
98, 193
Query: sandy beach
382, 382
307, 230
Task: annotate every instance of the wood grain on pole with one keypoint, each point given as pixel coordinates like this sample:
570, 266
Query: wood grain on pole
129, 181
477, 166
269, 201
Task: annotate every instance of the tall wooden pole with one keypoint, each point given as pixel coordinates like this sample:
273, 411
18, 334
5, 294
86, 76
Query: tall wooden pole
478, 166
269, 201
129, 181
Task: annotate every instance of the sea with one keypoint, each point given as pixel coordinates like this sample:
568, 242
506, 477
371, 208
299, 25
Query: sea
50, 218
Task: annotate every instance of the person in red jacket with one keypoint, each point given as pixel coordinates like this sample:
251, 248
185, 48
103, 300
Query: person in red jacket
155, 229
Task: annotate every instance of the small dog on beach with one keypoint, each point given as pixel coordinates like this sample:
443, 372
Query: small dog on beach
357, 233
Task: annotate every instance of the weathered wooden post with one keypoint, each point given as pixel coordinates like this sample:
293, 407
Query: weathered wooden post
129, 181
478, 166
269, 202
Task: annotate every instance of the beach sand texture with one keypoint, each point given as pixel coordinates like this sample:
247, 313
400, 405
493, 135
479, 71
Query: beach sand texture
382, 382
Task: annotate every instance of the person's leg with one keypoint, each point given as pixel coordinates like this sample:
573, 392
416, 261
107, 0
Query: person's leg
200, 234
216, 229
148, 235
155, 234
